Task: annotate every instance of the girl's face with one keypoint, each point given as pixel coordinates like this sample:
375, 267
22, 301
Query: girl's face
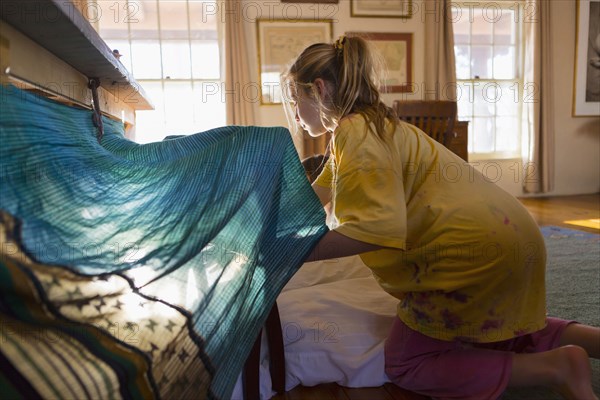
307, 112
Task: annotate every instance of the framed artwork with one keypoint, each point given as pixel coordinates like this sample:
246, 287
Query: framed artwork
396, 49
312, 1
279, 43
586, 91
381, 8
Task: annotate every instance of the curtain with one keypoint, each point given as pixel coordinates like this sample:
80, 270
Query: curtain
440, 68
154, 265
538, 124
239, 90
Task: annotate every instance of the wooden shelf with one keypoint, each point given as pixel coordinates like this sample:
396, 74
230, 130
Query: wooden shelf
60, 28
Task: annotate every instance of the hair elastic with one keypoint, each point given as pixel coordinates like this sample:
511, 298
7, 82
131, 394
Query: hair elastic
339, 44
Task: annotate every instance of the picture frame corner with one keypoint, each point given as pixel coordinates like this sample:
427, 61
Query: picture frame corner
405, 10
585, 104
321, 29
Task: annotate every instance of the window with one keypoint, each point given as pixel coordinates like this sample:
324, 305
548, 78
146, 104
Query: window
488, 46
172, 48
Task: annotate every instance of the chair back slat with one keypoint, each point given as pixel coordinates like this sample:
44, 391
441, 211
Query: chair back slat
436, 118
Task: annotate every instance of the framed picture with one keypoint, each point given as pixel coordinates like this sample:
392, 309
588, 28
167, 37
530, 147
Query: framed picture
381, 8
279, 43
586, 91
312, 1
396, 49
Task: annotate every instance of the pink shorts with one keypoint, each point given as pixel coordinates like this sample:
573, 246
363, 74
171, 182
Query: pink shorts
457, 370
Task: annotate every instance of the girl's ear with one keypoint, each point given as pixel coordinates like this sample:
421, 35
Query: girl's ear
321, 88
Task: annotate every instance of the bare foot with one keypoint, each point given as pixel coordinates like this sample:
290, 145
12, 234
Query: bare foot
575, 375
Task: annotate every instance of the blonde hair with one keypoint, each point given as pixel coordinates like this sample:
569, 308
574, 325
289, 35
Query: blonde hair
352, 70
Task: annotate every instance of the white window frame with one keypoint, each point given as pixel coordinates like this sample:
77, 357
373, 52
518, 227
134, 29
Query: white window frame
516, 89
194, 82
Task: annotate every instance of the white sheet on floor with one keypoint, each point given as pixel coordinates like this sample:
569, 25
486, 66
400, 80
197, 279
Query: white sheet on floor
335, 319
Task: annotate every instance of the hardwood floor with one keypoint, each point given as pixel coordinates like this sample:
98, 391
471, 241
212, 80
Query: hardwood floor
546, 211
557, 210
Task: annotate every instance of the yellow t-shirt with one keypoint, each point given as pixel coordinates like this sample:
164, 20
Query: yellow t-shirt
464, 257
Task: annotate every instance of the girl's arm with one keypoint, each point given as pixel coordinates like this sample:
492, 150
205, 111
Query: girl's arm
324, 195
334, 245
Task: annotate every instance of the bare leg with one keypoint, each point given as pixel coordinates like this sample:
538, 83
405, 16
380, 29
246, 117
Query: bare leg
584, 336
565, 369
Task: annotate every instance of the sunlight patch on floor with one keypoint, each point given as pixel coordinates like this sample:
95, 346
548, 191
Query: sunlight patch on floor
588, 223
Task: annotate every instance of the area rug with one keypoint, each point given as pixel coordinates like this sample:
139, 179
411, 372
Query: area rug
573, 291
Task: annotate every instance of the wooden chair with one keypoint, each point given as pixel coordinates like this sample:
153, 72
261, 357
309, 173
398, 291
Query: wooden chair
436, 118
251, 372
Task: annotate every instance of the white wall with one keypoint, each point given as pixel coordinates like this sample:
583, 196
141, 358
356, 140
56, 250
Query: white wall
577, 140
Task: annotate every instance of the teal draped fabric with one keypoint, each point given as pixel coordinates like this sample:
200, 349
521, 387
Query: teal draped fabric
212, 225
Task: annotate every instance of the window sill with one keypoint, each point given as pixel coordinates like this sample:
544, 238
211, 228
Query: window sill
477, 157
